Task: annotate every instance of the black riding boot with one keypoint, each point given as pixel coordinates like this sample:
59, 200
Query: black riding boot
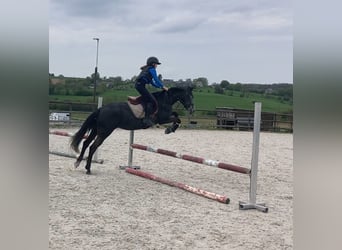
147, 119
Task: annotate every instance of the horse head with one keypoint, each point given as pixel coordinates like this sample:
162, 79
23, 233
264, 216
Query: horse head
184, 96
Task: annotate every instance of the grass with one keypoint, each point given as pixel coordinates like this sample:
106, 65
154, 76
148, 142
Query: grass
204, 99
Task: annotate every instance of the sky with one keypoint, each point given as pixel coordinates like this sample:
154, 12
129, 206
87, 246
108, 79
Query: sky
246, 41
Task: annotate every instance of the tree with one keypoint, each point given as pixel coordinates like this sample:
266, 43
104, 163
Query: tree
238, 87
97, 75
201, 82
224, 84
117, 80
219, 89
134, 78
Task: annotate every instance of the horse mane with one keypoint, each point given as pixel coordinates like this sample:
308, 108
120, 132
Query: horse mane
172, 90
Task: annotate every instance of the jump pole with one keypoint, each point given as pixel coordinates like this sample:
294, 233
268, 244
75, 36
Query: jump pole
63, 133
209, 195
68, 134
73, 156
196, 159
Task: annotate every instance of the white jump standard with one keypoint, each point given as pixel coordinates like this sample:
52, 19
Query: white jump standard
252, 204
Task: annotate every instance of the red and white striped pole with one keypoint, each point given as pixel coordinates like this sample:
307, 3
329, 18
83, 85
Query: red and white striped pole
209, 195
193, 159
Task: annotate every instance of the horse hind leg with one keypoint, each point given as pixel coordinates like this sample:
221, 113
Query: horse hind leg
98, 141
85, 145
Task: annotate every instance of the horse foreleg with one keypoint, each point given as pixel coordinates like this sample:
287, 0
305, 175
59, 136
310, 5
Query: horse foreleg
172, 128
86, 143
175, 123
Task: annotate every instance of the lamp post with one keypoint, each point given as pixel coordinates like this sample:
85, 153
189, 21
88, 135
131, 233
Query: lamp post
97, 57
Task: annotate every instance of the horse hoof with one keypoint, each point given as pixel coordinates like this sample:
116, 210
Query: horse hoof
88, 172
168, 130
76, 164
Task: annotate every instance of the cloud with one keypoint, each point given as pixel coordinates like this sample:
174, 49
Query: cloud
198, 30
168, 17
85, 8
257, 20
178, 23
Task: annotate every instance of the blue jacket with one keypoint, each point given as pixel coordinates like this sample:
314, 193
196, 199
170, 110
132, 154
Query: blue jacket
149, 76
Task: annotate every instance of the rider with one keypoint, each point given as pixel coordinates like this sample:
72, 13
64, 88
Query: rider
148, 75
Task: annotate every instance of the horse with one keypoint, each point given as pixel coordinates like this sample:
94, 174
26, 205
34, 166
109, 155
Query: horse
102, 122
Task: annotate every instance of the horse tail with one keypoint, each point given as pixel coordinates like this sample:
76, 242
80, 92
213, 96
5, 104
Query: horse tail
88, 125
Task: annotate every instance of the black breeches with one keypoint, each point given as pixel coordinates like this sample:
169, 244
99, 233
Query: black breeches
146, 96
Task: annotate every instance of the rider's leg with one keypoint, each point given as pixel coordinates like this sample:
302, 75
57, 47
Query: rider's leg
148, 100
148, 111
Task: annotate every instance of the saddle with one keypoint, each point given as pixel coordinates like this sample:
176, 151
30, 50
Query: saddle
135, 103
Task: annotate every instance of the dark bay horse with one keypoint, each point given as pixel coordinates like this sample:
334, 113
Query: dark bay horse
102, 122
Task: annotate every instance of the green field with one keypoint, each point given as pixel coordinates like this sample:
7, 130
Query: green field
204, 99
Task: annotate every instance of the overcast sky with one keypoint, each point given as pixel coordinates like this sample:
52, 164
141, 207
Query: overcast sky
247, 41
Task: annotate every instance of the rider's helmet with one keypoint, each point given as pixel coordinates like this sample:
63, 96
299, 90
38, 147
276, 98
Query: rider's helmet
152, 60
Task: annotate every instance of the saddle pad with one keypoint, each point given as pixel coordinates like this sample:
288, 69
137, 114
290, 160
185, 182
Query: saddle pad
137, 110
135, 100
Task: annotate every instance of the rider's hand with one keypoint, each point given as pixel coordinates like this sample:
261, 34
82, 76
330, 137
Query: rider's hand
165, 88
